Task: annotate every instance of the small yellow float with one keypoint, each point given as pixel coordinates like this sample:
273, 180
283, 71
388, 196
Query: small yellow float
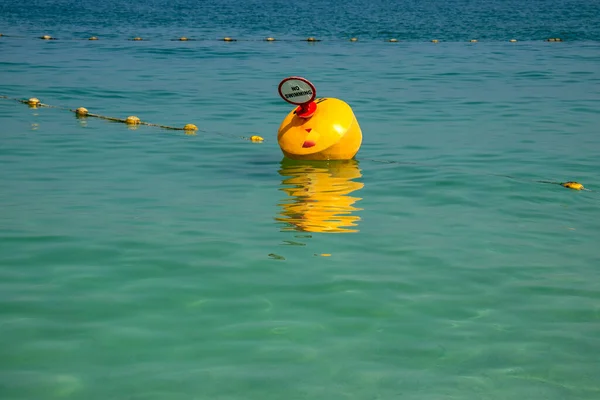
318, 129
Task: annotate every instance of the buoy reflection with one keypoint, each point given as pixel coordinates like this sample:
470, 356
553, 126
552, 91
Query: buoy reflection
318, 196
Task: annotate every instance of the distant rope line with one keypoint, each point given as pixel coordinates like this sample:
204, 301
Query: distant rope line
131, 120
230, 39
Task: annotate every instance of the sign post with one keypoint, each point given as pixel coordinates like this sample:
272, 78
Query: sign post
300, 92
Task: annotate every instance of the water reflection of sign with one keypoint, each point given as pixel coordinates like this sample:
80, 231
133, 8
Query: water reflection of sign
319, 196
297, 90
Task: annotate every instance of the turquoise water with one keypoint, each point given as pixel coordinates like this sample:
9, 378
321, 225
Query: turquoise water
150, 264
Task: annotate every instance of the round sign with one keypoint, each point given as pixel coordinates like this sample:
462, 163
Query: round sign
297, 90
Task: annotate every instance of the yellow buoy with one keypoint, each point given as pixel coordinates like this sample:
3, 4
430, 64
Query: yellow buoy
33, 102
137, 38
312, 39
228, 39
572, 185
323, 129
353, 39
393, 40
473, 40
81, 111
512, 40
270, 39
256, 139
93, 38
132, 120
331, 133
46, 37
183, 39
435, 41
190, 127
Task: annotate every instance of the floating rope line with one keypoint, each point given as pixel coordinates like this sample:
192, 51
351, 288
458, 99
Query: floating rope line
310, 39
191, 129
132, 120
569, 184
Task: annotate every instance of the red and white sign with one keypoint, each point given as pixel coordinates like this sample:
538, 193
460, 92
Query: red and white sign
297, 90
